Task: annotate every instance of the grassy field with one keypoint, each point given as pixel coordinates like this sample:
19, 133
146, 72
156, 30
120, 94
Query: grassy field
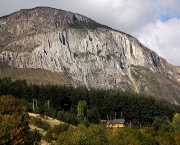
37, 76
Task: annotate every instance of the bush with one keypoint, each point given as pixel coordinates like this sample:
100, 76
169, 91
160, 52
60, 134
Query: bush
165, 138
67, 117
52, 133
34, 137
39, 123
84, 120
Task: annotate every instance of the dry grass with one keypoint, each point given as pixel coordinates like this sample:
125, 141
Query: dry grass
32, 127
48, 120
37, 76
156, 84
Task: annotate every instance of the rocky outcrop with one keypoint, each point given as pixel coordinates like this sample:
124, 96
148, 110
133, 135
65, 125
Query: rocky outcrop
88, 53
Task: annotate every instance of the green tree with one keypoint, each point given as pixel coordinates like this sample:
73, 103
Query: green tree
95, 135
83, 120
34, 137
82, 108
61, 115
52, 133
54, 115
93, 116
162, 124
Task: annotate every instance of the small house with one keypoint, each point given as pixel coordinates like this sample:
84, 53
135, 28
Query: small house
115, 123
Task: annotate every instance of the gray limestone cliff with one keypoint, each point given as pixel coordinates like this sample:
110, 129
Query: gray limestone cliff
88, 53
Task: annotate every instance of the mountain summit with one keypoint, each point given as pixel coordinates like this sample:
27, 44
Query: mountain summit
84, 52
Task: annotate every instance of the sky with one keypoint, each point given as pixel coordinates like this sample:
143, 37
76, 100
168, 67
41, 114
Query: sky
155, 23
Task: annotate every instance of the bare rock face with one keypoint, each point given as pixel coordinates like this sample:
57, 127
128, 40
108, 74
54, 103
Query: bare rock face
88, 53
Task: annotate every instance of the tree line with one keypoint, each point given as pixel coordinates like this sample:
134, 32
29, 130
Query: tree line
136, 108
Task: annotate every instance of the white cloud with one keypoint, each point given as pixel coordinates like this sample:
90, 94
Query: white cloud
132, 15
168, 8
163, 38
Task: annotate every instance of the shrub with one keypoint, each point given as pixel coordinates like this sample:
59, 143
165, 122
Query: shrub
34, 137
52, 133
39, 123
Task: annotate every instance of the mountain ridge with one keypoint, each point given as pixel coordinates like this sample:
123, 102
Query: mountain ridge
87, 52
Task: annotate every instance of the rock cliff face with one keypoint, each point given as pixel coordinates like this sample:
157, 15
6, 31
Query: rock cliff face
88, 53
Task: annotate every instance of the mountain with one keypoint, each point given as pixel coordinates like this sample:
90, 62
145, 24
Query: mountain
47, 45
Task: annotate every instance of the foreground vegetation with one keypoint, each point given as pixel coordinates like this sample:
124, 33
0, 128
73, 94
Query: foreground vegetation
153, 121
98, 135
14, 123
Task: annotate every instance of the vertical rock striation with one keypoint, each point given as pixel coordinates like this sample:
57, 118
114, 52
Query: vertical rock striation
89, 53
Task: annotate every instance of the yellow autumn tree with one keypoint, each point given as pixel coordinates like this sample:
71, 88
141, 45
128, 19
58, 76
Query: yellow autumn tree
14, 121
176, 122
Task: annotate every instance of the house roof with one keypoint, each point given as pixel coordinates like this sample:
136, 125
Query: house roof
120, 121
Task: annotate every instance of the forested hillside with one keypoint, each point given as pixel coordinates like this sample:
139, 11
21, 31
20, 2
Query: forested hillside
137, 108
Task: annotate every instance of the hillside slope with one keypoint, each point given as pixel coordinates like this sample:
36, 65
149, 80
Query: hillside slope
84, 51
